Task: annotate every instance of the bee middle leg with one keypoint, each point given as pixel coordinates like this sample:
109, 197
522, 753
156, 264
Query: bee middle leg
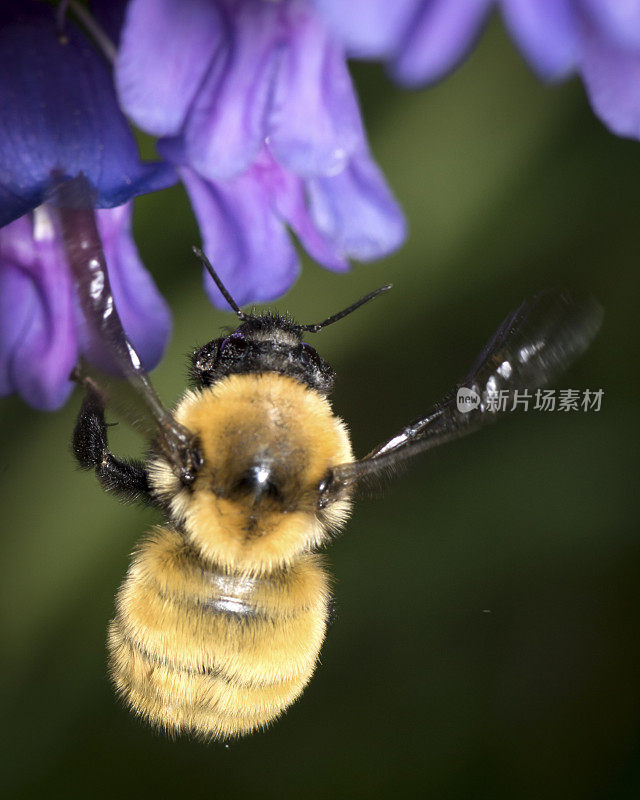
125, 477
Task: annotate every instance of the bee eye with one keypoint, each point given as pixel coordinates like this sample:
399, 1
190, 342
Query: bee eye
236, 341
306, 348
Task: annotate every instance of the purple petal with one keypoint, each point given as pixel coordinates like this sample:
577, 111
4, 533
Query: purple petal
314, 124
546, 32
17, 300
618, 19
243, 236
287, 195
59, 112
166, 51
612, 80
144, 313
225, 127
368, 28
438, 38
38, 346
356, 211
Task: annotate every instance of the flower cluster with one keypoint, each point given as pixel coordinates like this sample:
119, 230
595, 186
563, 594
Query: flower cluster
256, 113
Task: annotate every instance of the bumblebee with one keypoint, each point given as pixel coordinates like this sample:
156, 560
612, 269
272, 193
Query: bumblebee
222, 614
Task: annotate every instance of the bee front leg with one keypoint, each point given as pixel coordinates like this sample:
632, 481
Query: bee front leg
125, 477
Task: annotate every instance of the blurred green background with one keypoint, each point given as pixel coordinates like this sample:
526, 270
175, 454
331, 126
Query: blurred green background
488, 635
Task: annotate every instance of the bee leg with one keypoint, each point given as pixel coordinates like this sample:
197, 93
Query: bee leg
125, 477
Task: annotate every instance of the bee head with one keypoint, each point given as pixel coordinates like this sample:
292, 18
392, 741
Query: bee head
266, 343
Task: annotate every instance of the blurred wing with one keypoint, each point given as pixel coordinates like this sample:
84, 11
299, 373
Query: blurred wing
531, 347
73, 200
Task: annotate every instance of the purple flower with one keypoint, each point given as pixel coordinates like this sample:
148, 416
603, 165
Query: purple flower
422, 39
610, 63
599, 39
256, 108
60, 118
425, 39
42, 332
60, 114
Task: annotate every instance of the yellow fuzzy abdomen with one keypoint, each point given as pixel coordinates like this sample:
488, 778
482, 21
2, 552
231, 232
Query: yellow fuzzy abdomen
217, 655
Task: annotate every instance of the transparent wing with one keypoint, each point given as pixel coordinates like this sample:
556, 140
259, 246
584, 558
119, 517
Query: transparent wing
73, 201
532, 346
122, 399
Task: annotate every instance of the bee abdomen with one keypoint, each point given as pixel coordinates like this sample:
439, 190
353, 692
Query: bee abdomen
212, 654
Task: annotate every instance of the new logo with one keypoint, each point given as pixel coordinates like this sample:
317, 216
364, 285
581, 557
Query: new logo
467, 400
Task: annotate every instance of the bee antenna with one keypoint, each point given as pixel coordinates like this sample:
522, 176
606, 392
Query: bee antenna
223, 289
345, 311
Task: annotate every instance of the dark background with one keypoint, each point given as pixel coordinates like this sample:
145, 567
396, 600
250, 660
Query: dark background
488, 635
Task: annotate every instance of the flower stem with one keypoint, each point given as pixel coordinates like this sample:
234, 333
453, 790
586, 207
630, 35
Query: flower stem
93, 27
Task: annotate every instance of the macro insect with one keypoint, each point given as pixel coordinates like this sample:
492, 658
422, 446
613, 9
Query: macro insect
221, 616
